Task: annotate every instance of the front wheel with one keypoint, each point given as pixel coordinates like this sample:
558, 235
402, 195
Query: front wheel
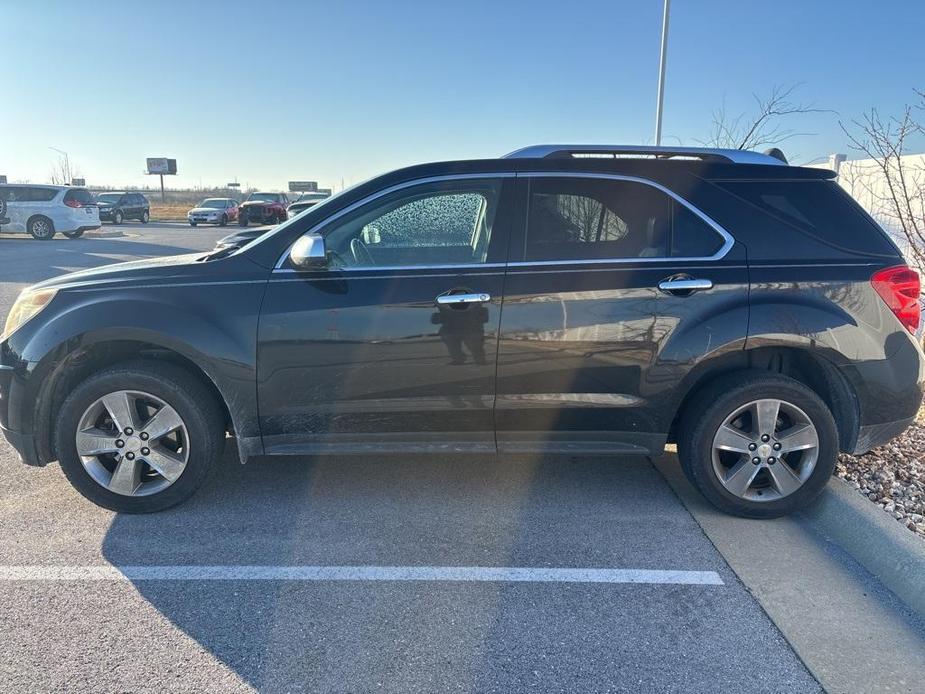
224, 221
145, 216
76, 234
139, 437
117, 217
242, 219
192, 224
758, 445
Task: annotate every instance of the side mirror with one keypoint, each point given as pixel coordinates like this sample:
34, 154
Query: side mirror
308, 253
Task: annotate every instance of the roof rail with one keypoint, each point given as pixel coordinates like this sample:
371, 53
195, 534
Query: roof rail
729, 156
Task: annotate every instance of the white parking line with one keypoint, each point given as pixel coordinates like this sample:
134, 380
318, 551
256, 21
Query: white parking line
499, 574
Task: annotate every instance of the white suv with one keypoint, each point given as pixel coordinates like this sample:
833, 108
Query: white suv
43, 210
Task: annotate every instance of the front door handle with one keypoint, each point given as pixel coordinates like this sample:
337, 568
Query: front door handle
450, 299
684, 285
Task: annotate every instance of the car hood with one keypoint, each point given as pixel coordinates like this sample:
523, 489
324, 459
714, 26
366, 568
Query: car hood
204, 210
127, 273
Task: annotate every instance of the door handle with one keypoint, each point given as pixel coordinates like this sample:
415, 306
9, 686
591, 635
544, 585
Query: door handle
449, 299
685, 285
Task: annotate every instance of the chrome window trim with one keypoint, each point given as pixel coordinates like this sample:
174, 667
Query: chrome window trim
728, 240
386, 191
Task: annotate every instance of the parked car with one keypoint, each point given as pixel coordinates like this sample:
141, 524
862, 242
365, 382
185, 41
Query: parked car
263, 208
748, 311
213, 211
240, 238
118, 207
304, 201
45, 210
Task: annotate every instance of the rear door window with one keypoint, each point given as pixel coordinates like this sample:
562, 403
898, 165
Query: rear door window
599, 219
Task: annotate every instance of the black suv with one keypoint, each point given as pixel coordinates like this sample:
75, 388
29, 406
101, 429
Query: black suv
596, 300
117, 207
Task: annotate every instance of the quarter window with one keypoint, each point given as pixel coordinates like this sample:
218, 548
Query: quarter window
596, 219
446, 223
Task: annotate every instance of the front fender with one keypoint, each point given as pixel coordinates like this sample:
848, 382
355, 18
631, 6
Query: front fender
211, 324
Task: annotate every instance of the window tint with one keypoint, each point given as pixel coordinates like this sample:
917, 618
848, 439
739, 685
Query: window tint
29, 194
593, 219
449, 223
821, 209
81, 195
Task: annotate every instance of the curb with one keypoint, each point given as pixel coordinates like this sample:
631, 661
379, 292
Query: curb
873, 539
103, 234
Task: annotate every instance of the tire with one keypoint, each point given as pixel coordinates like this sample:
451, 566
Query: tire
41, 228
199, 414
145, 217
242, 219
117, 217
74, 234
224, 221
780, 485
192, 224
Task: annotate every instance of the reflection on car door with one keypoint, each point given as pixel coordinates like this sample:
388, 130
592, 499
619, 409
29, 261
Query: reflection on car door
591, 349
393, 346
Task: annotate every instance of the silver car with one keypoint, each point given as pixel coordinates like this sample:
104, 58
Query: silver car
213, 211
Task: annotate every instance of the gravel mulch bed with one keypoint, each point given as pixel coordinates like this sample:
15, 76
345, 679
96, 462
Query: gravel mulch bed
893, 476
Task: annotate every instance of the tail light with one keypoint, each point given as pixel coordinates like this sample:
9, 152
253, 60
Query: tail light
73, 203
900, 287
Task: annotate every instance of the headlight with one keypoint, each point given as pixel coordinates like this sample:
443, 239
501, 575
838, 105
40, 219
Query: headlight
27, 305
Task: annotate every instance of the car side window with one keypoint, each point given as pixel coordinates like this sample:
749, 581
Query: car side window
445, 223
599, 219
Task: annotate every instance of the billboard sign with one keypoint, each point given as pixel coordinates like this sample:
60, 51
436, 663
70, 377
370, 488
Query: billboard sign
232, 185
162, 166
78, 181
303, 186
3, 179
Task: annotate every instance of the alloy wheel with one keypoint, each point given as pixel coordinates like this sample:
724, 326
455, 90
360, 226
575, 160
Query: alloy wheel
765, 450
132, 443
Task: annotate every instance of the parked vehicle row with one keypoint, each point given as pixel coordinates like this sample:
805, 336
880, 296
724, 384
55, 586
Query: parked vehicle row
747, 310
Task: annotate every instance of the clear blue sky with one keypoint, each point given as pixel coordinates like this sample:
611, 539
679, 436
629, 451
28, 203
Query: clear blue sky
272, 91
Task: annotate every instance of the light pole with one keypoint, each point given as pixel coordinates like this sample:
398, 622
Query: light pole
661, 74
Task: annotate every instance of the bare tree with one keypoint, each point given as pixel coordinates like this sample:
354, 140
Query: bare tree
893, 182
761, 127
63, 172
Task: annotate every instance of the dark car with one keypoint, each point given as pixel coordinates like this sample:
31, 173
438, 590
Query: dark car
305, 201
747, 310
118, 207
263, 208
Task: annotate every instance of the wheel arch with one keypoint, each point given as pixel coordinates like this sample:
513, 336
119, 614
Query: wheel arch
76, 364
812, 369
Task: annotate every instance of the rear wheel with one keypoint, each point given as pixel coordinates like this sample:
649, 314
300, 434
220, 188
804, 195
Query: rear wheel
192, 224
41, 228
758, 445
145, 216
242, 219
117, 217
76, 234
224, 221
139, 437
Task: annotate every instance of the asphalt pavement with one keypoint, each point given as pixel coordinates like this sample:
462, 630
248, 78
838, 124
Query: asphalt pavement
407, 619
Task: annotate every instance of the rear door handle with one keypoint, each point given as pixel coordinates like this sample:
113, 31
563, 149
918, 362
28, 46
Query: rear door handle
449, 299
687, 285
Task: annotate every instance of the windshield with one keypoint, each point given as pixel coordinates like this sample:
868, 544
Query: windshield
266, 197
109, 197
213, 203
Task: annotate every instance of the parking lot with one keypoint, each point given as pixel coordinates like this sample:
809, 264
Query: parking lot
407, 573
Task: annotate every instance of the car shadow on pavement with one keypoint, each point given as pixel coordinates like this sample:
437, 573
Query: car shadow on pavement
442, 511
